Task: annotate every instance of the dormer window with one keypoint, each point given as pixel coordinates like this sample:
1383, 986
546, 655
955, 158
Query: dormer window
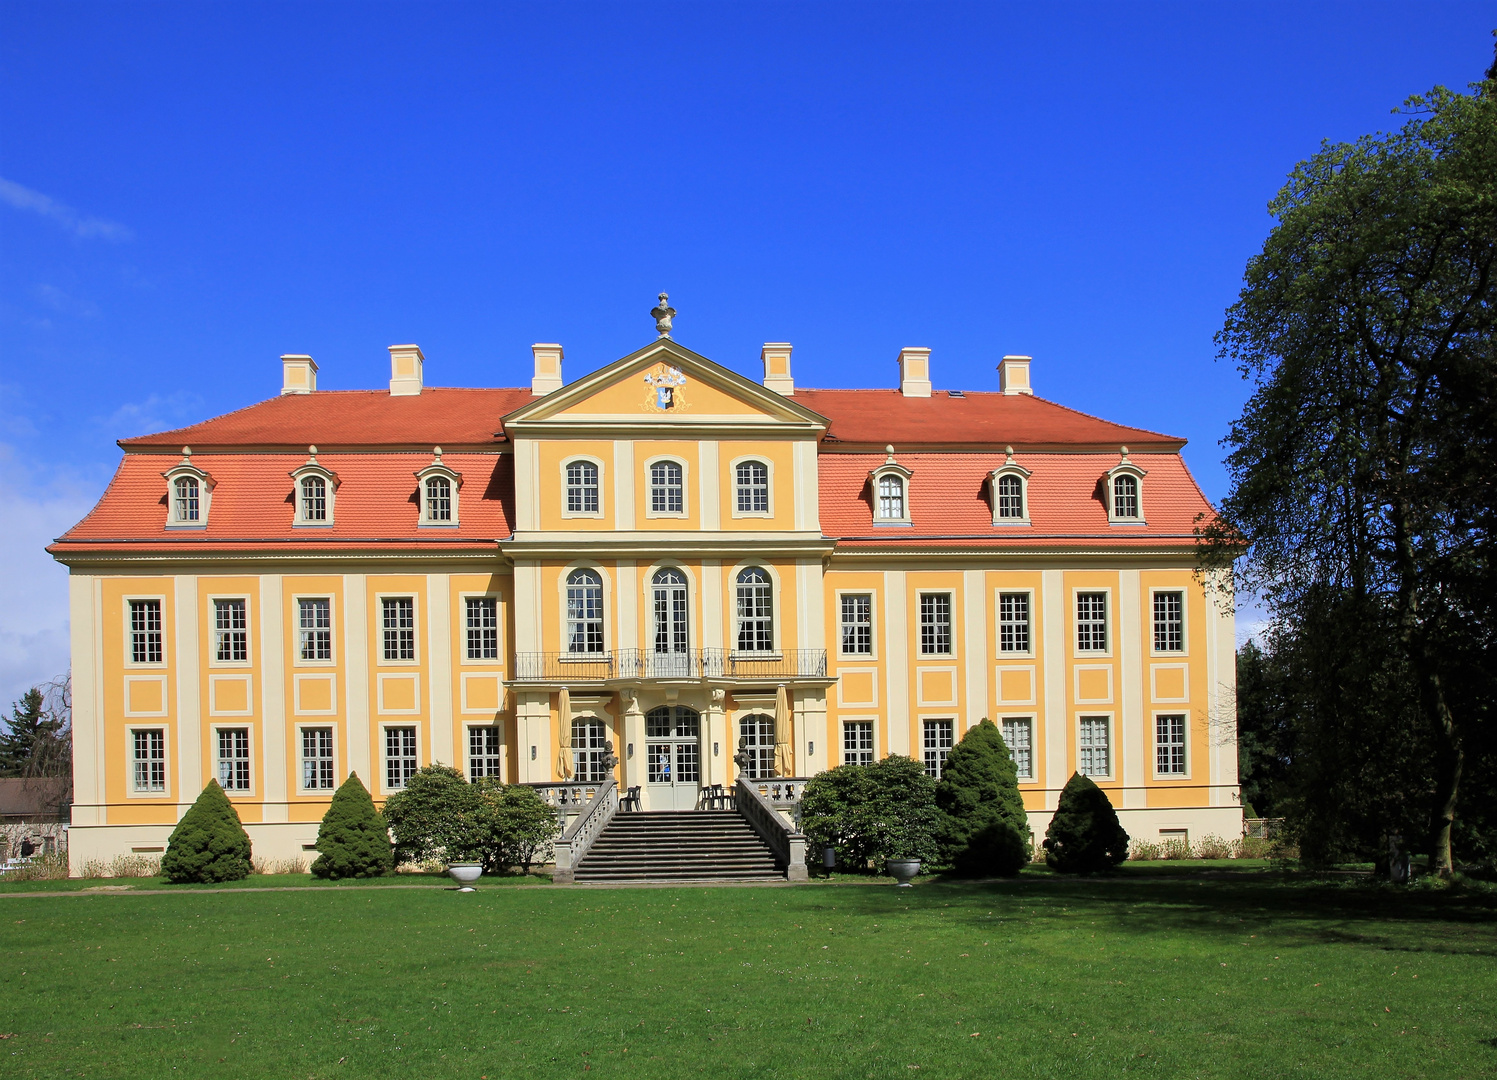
1009, 484
439, 488
189, 490
891, 492
316, 493
1125, 492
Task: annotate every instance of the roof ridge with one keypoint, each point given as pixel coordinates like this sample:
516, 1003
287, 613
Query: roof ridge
1104, 420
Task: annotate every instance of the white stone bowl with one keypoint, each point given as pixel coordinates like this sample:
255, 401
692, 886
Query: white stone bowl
902, 870
465, 874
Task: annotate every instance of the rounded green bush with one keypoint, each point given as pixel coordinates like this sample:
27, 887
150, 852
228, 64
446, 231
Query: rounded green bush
1085, 836
208, 844
353, 839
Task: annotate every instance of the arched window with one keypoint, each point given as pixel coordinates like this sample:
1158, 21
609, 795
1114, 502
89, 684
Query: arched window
756, 742
753, 487
438, 499
755, 611
1125, 497
891, 498
582, 487
666, 490
1010, 497
671, 657
186, 506
590, 748
314, 498
584, 612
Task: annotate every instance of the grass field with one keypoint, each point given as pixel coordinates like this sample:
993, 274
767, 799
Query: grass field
1144, 974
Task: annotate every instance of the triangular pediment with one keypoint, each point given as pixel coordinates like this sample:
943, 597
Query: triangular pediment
663, 385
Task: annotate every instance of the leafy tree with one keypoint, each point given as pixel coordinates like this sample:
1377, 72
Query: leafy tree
434, 817
514, 826
1084, 836
882, 811
1265, 731
1364, 467
353, 838
984, 827
208, 844
834, 813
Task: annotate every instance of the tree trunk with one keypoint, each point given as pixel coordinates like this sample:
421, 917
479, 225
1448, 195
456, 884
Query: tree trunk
1450, 760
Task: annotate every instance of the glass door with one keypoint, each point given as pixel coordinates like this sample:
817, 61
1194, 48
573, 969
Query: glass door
673, 757
670, 657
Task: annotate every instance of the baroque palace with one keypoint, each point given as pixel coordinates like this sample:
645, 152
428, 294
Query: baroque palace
662, 571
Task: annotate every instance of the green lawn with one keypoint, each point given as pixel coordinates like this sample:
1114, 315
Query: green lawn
1147, 974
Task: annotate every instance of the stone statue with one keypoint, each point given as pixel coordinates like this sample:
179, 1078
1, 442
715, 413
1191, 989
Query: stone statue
663, 315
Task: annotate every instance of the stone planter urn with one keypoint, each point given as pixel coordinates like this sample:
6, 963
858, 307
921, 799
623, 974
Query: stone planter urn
465, 874
902, 870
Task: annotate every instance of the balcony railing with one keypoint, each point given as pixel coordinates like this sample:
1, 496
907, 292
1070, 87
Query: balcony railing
562, 667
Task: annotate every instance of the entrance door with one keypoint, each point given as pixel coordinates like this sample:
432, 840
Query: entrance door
670, 658
673, 757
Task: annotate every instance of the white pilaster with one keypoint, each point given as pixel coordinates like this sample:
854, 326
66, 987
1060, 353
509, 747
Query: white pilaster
1055, 718
807, 486
811, 606
975, 656
189, 711
356, 664
1132, 738
714, 627
709, 483
627, 605
623, 484
439, 649
273, 697
897, 662
88, 717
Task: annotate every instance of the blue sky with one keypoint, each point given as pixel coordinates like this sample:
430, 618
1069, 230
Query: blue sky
188, 191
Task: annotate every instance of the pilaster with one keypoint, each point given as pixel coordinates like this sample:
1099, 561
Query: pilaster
189, 711
356, 664
273, 699
439, 649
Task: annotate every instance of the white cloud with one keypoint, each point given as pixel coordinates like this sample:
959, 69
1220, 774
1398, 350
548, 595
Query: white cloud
158, 412
80, 225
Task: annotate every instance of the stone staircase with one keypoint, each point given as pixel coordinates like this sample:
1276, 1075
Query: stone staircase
688, 845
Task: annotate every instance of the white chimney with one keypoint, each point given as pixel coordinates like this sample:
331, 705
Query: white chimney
776, 357
1013, 375
914, 372
405, 370
547, 368
298, 374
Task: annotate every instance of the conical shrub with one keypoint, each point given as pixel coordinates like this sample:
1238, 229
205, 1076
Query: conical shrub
984, 828
1084, 835
353, 839
208, 844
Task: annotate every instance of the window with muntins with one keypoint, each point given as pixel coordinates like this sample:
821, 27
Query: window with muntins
1169, 622
584, 612
1094, 748
582, 487
314, 498
935, 744
666, 493
317, 759
145, 631
1010, 497
230, 631
857, 742
315, 627
439, 499
483, 627
891, 498
1169, 745
753, 487
755, 611
234, 759
669, 588
1013, 622
1091, 622
1125, 496
857, 624
483, 752
756, 740
589, 748
400, 757
1018, 733
935, 624
149, 759
186, 504
399, 616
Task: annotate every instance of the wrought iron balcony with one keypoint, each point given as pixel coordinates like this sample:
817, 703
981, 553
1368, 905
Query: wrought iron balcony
641, 664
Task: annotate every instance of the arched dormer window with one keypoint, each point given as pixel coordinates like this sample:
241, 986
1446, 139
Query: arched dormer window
316, 493
189, 490
584, 613
439, 492
891, 492
755, 611
1125, 492
1009, 485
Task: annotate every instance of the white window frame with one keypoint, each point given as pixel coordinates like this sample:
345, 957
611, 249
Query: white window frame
384, 753
129, 640
1112, 746
498, 659
586, 753
760, 752
891, 468
330, 488
774, 611
131, 791
498, 755
301, 772
563, 637
1184, 594
941, 752
249, 641
1009, 654
951, 612
1125, 468
1108, 621
379, 609
871, 750
214, 731
1010, 468
1184, 715
567, 651
186, 470
597, 464
1028, 721
693, 630
769, 485
873, 622
649, 487
332, 629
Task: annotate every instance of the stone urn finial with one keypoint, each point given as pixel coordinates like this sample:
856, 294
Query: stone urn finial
663, 315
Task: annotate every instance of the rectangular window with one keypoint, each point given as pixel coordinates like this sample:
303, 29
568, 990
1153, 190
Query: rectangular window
935, 624
317, 759
1169, 745
230, 630
935, 745
582, 488
1013, 622
149, 759
145, 631
857, 742
1018, 733
1095, 746
857, 625
1169, 622
483, 752
400, 757
234, 759
483, 628
1091, 622
315, 619
667, 494
753, 487
399, 615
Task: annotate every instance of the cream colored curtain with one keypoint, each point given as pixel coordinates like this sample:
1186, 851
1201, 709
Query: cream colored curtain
783, 762
564, 762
